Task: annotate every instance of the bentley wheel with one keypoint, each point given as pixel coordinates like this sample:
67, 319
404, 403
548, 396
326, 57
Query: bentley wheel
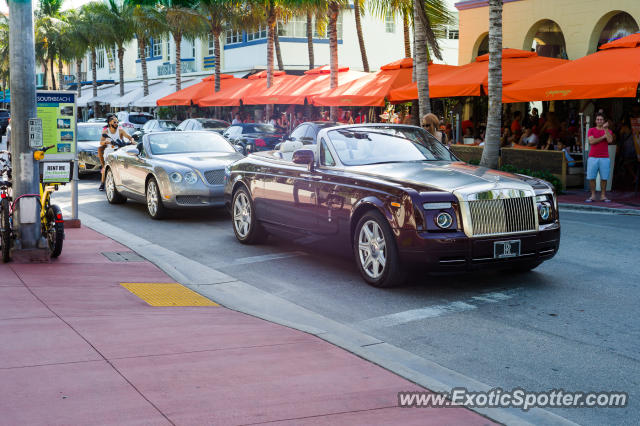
245, 224
55, 232
113, 196
5, 226
376, 252
154, 201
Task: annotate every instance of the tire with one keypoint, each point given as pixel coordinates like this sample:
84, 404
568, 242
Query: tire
376, 252
6, 231
110, 190
243, 219
155, 208
55, 233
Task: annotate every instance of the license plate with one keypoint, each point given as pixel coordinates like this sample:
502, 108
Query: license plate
503, 249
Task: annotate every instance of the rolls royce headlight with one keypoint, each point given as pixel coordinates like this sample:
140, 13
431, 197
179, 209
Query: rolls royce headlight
544, 211
444, 220
545, 207
190, 178
175, 177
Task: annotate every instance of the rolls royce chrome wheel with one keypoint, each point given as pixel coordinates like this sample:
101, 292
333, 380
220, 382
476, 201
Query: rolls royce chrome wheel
376, 252
242, 215
245, 223
372, 249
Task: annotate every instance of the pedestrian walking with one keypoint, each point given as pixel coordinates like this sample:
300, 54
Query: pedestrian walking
598, 162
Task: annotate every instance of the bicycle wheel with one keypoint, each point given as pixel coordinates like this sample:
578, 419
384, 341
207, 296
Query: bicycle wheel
6, 230
55, 230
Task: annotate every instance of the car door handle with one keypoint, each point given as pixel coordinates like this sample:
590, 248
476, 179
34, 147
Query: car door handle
308, 176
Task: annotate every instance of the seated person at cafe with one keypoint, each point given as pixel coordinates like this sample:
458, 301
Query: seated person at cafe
564, 148
529, 138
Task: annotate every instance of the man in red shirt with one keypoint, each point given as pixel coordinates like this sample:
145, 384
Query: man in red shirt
516, 128
599, 139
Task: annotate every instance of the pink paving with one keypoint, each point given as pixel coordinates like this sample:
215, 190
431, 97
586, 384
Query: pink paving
77, 348
619, 200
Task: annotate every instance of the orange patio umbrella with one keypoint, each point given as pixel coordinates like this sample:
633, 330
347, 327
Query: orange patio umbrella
410, 91
612, 72
468, 79
369, 90
194, 93
232, 96
295, 91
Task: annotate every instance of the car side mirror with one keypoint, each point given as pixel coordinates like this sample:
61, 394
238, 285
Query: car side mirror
304, 156
140, 148
136, 135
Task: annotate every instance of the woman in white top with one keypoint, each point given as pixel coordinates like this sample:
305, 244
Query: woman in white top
110, 134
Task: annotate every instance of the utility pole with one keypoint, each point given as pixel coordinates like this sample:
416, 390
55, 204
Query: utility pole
26, 176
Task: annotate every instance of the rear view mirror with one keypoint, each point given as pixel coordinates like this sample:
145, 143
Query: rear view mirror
304, 156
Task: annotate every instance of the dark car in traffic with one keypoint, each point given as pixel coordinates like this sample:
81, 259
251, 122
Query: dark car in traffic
207, 124
306, 132
4, 120
396, 196
252, 137
89, 135
155, 126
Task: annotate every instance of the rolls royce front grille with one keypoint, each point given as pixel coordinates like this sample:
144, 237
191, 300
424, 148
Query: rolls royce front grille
214, 177
502, 216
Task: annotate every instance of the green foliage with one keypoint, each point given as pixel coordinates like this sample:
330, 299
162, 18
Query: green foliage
165, 113
541, 174
474, 162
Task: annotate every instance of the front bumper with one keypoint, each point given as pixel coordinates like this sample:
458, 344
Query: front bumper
88, 161
198, 195
455, 252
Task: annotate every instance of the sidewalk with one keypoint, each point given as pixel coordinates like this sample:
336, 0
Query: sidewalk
77, 347
620, 201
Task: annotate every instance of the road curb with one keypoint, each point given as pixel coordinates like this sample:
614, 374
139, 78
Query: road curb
242, 297
597, 209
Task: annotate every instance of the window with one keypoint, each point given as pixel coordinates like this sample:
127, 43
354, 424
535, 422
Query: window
193, 48
299, 133
296, 27
390, 23
453, 34
260, 33
100, 59
326, 159
325, 34
167, 48
233, 37
157, 49
147, 50
212, 48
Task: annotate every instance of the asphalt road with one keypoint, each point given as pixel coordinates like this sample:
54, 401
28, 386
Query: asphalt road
571, 324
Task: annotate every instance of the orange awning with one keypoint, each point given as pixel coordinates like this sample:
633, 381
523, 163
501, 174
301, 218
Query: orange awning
410, 91
371, 89
468, 79
232, 96
612, 72
298, 89
193, 94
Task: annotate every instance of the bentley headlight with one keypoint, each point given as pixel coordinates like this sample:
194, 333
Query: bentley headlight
190, 178
175, 177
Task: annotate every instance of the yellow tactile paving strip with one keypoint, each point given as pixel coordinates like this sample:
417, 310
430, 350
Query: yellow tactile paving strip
167, 294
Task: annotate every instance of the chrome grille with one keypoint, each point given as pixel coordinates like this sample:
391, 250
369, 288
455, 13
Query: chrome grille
214, 177
503, 216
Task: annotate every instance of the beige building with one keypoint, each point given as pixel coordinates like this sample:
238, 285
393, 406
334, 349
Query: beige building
567, 29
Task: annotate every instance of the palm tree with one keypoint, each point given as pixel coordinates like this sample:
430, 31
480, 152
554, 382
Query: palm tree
183, 20
494, 120
333, 9
116, 19
384, 8
76, 41
48, 29
357, 6
4, 54
91, 25
148, 23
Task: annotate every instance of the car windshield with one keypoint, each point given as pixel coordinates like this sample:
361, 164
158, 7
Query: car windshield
138, 119
185, 142
260, 128
167, 124
89, 133
213, 124
357, 147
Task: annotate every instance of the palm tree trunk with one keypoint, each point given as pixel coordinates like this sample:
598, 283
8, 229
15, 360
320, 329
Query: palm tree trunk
310, 39
406, 32
271, 24
177, 37
491, 149
276, 43
363, 50
121, 69
421, 61
332, 13
46, 75
216, 52
143, 64
60, 74
94, 72
79, 77
53, 75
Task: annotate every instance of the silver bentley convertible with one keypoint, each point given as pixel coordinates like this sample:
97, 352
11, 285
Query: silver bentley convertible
170, 170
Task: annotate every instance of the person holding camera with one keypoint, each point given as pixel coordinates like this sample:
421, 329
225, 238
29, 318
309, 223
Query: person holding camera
112, 134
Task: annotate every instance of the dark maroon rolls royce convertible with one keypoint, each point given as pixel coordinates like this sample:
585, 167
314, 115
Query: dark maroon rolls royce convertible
397, 196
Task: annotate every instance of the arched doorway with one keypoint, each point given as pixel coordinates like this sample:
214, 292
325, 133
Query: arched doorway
619, 25
546, 39
482, 46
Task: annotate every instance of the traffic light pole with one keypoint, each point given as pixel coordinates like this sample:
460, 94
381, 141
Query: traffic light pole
26, 176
